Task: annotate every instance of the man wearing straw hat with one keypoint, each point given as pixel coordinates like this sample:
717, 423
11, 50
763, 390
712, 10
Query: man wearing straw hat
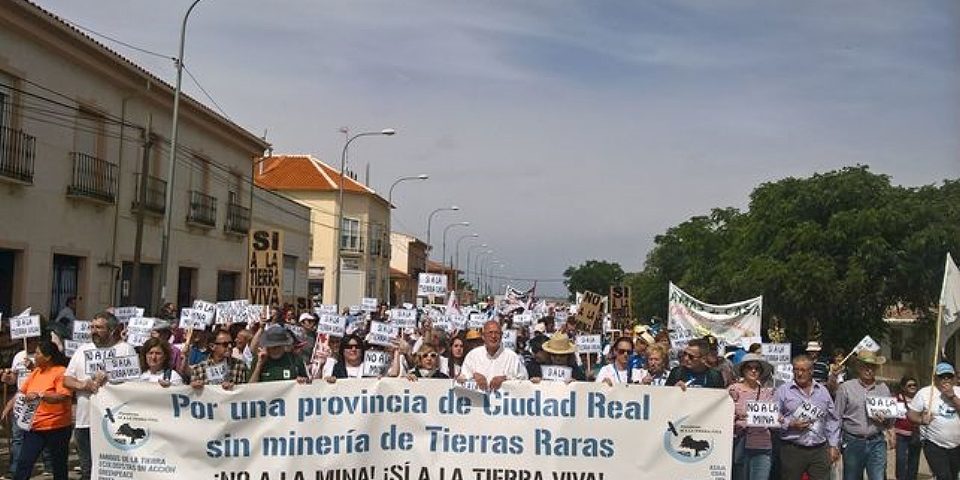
935, 409
865, 436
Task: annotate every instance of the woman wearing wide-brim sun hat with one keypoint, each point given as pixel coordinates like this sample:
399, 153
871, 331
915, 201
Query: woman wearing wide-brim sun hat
752, 452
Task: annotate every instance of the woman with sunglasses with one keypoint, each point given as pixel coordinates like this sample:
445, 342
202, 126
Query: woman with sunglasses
907, 432
752, 446
427, 363
619, 371
939, 422
349, 362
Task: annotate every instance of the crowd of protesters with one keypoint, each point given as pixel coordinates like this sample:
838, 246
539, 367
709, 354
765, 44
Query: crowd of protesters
287, 347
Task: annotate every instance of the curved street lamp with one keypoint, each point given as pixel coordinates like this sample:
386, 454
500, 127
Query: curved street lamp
422, 176
443, 250
469, 251
339, 226
452, 208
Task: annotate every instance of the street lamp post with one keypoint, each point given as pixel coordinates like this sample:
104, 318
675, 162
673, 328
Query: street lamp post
422, 176
456, 259
451, 208
469, 251
480, 268
338, 229
490, 281
168, 211
443, 249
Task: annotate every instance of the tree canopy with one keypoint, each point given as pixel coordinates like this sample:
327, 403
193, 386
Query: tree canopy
594, 275
837, 249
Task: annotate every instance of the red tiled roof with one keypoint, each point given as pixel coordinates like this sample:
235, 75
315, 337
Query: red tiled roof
436, 266
303, 172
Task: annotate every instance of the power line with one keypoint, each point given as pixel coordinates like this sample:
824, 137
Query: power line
197, 83
114, 40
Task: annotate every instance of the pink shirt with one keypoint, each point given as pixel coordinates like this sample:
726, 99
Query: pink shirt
757, 437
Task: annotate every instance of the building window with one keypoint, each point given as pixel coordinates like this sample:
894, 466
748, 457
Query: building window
377, 241
89, 134
6, 100
228, 286
350, 235
372, 280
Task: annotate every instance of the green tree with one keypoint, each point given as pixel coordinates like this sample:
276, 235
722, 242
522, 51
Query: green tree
837, 249
594, 275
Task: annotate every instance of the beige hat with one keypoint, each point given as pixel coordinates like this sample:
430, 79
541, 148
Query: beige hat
814, 346
559, 344
866, 356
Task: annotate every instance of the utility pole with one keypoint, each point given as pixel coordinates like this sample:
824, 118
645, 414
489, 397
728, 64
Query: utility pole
141, 205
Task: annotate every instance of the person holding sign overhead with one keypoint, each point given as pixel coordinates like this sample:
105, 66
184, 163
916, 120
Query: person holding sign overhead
935, 409
752, 445
50, 426
865, 432
557, 361
809, 426
220, 368
85, 375
490, 365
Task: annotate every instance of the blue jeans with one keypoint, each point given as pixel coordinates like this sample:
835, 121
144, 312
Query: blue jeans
756, 464
16, 440
57, 442
908, 458
864, 454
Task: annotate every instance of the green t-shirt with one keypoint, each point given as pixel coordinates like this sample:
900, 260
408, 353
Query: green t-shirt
287, 367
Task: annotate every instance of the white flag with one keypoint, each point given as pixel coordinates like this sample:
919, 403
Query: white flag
867, 343
950, 301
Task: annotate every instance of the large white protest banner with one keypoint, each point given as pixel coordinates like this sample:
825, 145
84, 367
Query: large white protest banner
731, 322
378, 429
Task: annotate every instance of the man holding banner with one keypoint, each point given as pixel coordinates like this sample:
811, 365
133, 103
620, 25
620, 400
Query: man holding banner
491, 365
85, 375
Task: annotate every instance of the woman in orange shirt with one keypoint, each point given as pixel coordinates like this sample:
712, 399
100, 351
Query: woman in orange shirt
52, 422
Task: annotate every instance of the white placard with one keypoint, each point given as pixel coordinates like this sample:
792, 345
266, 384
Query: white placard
431, 284
368, 304
234, 311
885, 407
24, 411
808, 412
403, 318
509, 339
138, 330
326, 309
204, 311
776, 352
783, 372
333, 325
556, 373
589, 343
257, 313
190, 320
763, 414
81, 331
476, 321
216, 374
24, 327
355, 310
375, 363
122, 368
382, 334
94, 359
442, 323
70, 347
522, 319
560, 316
124, 314
457, 322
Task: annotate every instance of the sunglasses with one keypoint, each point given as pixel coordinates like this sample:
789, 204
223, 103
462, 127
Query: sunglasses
688, 354
351, 346
223, 344
752, 366
430, 355
945, 376
911, 385
624, 351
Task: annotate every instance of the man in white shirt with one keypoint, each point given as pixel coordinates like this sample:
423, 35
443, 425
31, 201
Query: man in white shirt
491, 365
939, 422
85, 376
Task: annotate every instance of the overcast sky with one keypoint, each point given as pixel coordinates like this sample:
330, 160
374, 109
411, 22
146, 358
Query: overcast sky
569, 131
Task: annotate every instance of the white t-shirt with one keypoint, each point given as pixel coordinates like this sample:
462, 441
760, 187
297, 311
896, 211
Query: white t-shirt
175, 379
619, 376
944, 428
503, 362
352, 372
19, 366
78, 370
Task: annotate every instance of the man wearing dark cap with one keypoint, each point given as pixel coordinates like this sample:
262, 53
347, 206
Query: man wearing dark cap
274, 363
